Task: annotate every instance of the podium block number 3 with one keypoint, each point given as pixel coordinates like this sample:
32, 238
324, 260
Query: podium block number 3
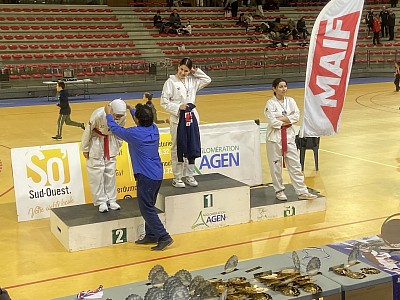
119, 236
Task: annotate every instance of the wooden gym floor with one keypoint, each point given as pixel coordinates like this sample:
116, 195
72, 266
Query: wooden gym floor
359, 175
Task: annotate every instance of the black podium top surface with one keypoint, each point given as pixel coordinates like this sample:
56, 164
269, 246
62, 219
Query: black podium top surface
84, 214
207, 182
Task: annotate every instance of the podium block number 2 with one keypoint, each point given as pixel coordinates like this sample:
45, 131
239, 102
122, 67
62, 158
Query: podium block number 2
119, 236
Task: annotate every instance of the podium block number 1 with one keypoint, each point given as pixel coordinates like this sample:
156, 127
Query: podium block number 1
119, 236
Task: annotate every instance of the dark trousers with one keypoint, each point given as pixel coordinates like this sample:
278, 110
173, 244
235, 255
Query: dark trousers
384, 30
67, 120
396, 82
234, 8
375, 40
391, 33
147, 191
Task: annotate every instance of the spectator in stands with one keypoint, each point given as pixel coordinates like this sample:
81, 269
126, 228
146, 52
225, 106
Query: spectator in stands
369, 20
281, 112
187, 29
100, 148
291, 25
177, 3
143, 140
148, 98
302, 28
249, 20
199, 2
178, 98
393, 3
396, 76
391, 24
376, 28
157, 20
278, 25
259, 8
383, 15
65, 111
233, 4
241, 20
175, 19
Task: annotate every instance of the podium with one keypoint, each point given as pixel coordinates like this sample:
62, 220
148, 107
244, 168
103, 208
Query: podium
217, 201
81, 227
265, 206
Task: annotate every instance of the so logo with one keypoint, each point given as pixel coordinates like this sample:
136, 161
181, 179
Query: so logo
47, 167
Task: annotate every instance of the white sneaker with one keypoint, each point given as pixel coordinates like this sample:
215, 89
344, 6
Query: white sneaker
281, 196
307, 196
103, 207
113, 205
178, 183
191, 181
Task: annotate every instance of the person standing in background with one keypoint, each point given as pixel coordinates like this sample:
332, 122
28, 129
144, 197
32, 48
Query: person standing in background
281, 112
391, 24
100, 148
383, 15
65, 111
396, 76
376, 28
148, 98
178, 92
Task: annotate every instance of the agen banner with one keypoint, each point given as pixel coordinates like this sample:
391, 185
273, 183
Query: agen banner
330, 58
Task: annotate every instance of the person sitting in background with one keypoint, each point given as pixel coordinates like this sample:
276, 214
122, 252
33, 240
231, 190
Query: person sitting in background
249, 20
241, 20
157, 20
175, 19
187, 29
302, 28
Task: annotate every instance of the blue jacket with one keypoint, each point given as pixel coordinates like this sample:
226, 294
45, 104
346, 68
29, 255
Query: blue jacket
188, 135
143, 147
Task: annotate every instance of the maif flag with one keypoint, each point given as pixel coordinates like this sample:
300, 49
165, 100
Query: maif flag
330, 58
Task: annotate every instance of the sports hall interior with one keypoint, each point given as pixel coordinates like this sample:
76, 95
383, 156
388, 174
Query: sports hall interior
117, 49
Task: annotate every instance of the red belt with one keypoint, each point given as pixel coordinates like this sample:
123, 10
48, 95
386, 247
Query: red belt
284, 142
106, 143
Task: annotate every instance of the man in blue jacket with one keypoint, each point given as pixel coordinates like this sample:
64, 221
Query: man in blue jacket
143, 141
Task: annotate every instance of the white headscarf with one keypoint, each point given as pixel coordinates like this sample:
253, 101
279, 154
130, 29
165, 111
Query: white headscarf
118, 107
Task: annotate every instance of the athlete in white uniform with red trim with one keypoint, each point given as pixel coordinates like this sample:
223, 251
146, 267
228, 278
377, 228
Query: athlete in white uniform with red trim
100, 148
178, 90
281, 112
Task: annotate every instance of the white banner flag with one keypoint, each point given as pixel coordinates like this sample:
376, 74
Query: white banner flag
330, 58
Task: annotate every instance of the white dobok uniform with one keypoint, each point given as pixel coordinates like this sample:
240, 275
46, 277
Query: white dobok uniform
174, 93
274, 109
100, 168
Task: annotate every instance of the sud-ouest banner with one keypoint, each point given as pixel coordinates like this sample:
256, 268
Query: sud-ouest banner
52, 176
330, 57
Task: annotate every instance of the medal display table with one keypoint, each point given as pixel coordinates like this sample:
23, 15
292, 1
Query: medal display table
330, 289
372, 287
265, 206
217, 201
81, 227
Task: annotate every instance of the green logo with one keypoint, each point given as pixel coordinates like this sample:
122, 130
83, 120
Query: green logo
289, 211
119, 236
208, 200
199, 221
